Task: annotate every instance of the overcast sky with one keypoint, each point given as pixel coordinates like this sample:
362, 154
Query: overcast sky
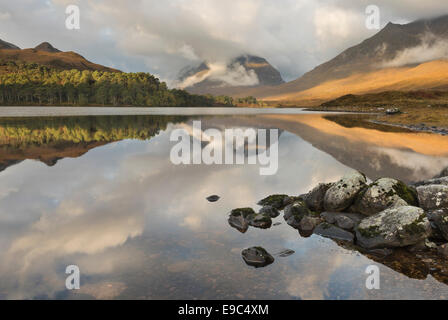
162, 37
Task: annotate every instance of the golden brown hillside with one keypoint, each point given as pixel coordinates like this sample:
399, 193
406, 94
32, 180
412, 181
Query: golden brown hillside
58, 60
429, 75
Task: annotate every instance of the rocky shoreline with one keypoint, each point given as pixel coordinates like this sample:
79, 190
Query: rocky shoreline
402, 226
416, 127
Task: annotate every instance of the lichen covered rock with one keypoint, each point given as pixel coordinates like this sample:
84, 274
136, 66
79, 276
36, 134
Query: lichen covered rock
394, 227
295, 212
269, 211
315, 198
440, 219
341, 195
433, 197
382, 194
276, 201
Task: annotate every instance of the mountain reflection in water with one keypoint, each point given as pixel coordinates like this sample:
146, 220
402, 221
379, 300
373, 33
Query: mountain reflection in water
140, 227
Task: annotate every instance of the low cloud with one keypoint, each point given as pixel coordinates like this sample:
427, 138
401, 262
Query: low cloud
431, 48
223, 75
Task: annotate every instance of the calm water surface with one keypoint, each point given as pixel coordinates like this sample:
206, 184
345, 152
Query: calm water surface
102, 194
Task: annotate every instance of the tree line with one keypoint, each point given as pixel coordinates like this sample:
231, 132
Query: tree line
33, 84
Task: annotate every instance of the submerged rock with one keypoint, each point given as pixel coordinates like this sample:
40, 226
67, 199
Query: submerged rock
315, 198
433, 197
213, 198
330, 231
341, 195
257, 257
269, 211
394, 227
276, 201
286, 253
382, 194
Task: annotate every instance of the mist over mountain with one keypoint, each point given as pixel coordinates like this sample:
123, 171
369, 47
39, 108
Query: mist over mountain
221, 78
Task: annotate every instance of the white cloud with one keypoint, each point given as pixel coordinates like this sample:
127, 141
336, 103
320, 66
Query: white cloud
165, 36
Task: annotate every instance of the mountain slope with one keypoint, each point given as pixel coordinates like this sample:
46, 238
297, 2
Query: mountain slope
8, 46
45, 54
394, 46
429, 75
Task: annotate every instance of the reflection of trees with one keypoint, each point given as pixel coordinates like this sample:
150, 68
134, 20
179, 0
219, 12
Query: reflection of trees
22, 132
51, 139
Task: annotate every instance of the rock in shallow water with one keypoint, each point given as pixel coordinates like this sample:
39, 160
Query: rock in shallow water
276, 201
238, 219
295, 212
269, 211
395, 227
330, 231
257, 257
382, 194
259, 221
213, 198
433, 197
342, 194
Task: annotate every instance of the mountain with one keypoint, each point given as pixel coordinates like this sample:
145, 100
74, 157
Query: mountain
397, 48
47, 55
8, 46
45, 46
242, 72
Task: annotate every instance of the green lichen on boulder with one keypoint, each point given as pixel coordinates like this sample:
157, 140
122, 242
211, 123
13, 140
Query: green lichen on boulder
394, 227
382, 194
276, 201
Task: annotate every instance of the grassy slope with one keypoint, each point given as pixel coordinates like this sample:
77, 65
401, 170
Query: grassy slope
428, 75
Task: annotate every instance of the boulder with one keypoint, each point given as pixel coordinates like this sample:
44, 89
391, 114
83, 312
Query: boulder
440, 220
276, 201
315, 198
257, 257
331, 217
341, 195
433, 197
327, 230
438, 180
295, 212
394, 227
259, 221
345, 223
382, 194
238, 218
308, 224
269, 211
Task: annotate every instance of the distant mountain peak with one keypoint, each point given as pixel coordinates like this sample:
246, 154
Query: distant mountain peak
7, 46
46, 46
204, 80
